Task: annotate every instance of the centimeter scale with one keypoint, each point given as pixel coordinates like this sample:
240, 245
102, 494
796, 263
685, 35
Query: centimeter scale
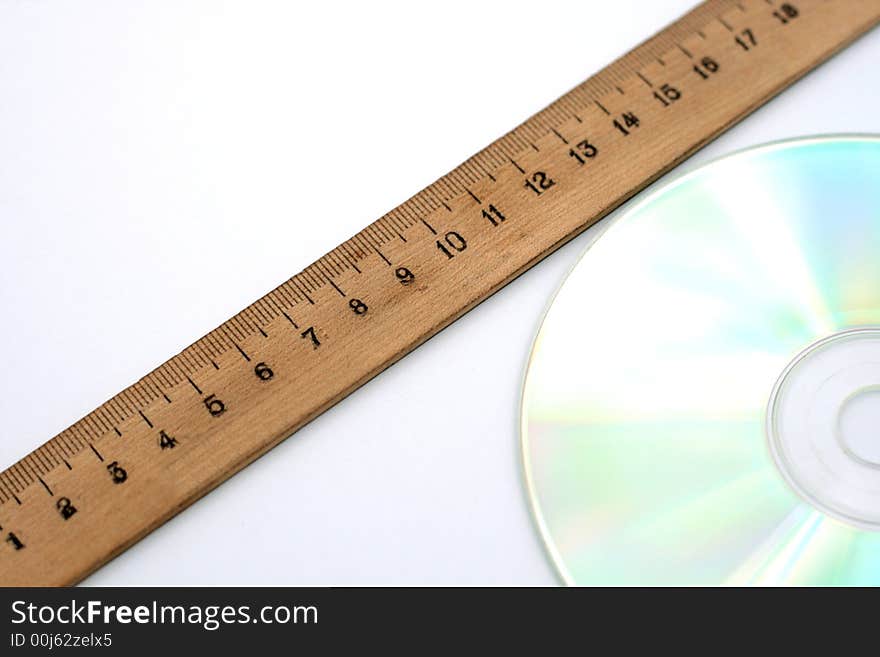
137, 460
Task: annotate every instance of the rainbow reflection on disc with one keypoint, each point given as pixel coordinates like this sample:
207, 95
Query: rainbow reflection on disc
645, 404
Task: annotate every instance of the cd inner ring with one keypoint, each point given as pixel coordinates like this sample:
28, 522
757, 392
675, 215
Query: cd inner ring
858, 428
822, 421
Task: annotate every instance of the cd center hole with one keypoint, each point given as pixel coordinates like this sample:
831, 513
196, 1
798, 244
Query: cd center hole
859, 423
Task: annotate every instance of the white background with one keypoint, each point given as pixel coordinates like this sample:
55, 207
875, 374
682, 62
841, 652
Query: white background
163, 164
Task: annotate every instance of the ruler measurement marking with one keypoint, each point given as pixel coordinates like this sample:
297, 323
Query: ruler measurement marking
242, 352
474, 196
295, 325
146, 419
336, 287
301, 290
556, 132
97, 453
195, 387
46, 486
478, 241
381, 255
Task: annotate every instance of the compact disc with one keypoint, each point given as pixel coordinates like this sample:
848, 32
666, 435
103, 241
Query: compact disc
702, 402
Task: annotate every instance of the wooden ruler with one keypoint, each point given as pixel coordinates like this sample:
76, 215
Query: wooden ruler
159, 445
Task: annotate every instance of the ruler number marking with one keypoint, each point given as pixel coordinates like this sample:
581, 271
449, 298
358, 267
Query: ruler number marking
117, 473
65, 508
358, 307
14, 541
539, 182
263, 372
166, 441
667, 94
215, 406
404, 275
746, 39
706, 67
454, 241
786, 13
310, 333
626, 122
494, 215
583, 151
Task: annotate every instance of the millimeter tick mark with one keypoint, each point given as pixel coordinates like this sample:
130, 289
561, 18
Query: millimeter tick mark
146, 419
97, 453
241, 351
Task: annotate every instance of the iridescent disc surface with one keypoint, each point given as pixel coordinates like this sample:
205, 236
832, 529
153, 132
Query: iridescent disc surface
643, 414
